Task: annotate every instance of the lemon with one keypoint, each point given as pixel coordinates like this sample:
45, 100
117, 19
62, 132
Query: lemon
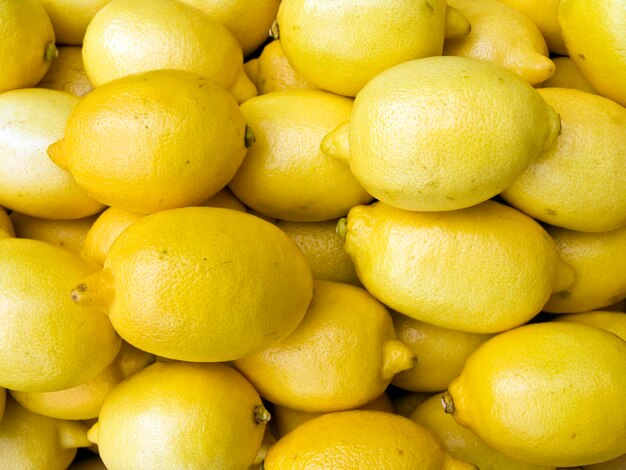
85, 400
26, 43
226, 199
251, 68
181, 415
342, 355
567, 75
131, 36
615, 322
201, 284
597, 259
284, 174
443, 133
6, 226
322, 247
483, 269
441, 353
30, 120
504, 35
134, 144
275, 73
249, 22
70, 18
29, 440
547, 393
46, 342
67, 73
579, 182
595, 40
351, 440
341, 45
461, 443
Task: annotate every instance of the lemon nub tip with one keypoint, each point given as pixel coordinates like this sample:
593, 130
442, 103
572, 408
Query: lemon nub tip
249, 138
274, 30
342, 227
78, 293
50, 52
261, 415
448, 403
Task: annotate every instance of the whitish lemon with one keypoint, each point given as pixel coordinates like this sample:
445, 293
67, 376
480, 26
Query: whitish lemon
131, 36
351, 440
30, 120
429, 134
26, 43
578, 183
461, 442
549, 393
67, 73
201, 284
342, 355
6, 227
341, 45
70, 18
597, 259
482, 269
441, 353
615, 322
567, 75
46, 342
595, 40
181, 415
285, 174
503, 35
134, 144
275, 73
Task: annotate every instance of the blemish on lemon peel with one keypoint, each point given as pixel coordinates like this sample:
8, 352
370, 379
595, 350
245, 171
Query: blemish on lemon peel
50, 52
342, 227
274, 30
249, 138
447, 403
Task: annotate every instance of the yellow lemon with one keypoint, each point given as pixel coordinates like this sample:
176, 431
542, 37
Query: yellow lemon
131, 36
69, 234
226, 199
483, 269
443, 133
249, 22
548, 393
615, 322
67, 73
567, 75
29, 440
597, 259
461, 443
441, 353
578, 183
46, 342
6, 226
70, 18
614, 464
342, 355
201, 284
85, 400
26, 43
340, 45
275, 73
595, 40
284, 174
351, 440
322, 247
30, 120
251, 67
134, 144
181, 415
503, 35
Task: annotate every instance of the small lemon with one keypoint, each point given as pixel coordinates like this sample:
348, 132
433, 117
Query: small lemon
3, 397
30, 120
226, 199
275, 73
134, 144
548, 393
578, 183
181, 415
46, 342
597, 259
70, 18
482, 269
67, 73
285, 174
26, 43
443, 133
567, 75
201, 284
342, 355
6, 226
357, 439
615, 322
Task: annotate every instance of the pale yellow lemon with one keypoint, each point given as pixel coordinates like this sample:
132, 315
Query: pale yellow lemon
615, 322
482, 269
547, 393
342, 355
70, 18
67, 73
567, 75
285, 174
479, 126
181, 415
134, 144
201, 284
275, 73
46, 342
6, 227
30, 120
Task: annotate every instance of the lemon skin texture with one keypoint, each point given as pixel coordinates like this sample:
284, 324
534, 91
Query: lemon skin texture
615, 322
275, 73
67, 73
70, 18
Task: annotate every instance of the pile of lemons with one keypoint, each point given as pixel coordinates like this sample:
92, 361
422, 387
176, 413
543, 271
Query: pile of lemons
312, 234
